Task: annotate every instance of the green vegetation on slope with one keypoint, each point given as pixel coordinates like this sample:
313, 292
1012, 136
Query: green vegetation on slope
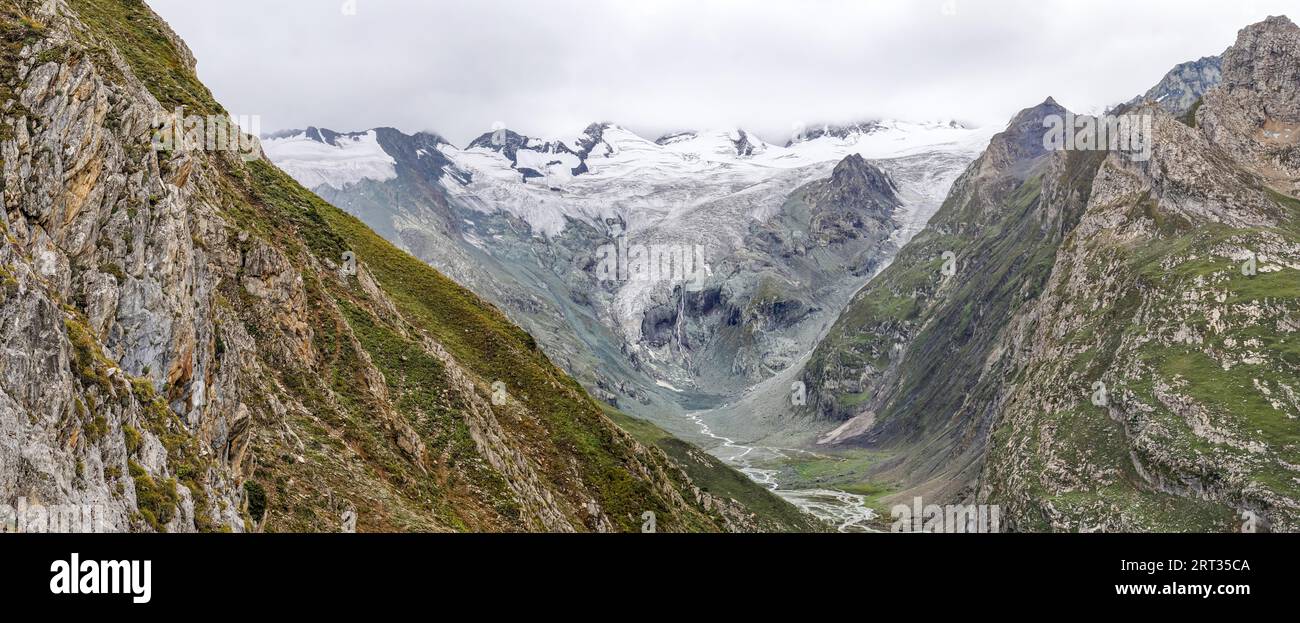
144, 43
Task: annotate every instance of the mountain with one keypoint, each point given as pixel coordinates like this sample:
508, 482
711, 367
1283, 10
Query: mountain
194, 341
1184, 85
522, 221
1092, 340
773, 241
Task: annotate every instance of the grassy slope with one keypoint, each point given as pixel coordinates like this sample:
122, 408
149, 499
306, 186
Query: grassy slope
1005, 264
1158, 275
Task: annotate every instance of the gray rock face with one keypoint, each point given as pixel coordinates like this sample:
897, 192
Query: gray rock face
1184, 86
856, 192
1021, 144
1254, 114
107, 255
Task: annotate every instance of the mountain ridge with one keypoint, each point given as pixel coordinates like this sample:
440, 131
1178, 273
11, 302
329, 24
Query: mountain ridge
1097, 336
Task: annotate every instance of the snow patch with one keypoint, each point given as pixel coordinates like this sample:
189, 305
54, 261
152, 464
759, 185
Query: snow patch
355, 158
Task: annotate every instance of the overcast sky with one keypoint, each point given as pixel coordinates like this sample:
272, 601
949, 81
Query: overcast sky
547, 68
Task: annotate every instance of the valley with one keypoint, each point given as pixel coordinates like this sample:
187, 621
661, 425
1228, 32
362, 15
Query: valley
871, 294
1084, 325
658, 349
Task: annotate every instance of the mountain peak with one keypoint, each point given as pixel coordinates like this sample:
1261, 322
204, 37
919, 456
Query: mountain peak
1036, 114
1023, 139
1254, 112
852, 166
431, 136
1275, 23
855, 176
320, 135
1184, 85
1264, 58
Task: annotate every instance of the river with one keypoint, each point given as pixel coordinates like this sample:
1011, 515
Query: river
847, 512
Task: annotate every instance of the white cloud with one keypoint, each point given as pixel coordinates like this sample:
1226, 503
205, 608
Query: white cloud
549, 68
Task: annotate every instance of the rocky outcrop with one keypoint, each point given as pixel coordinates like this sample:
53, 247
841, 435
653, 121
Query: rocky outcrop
1255, 115
858, 200
1182, 88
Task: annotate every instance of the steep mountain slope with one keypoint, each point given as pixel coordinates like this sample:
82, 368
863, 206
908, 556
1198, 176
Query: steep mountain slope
1112, 349
189, 344
523, 221
906, 359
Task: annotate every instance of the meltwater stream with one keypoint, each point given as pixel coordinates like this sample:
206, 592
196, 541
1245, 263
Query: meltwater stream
848, 512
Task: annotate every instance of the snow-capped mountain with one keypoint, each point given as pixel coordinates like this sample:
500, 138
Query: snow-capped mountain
524, 221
